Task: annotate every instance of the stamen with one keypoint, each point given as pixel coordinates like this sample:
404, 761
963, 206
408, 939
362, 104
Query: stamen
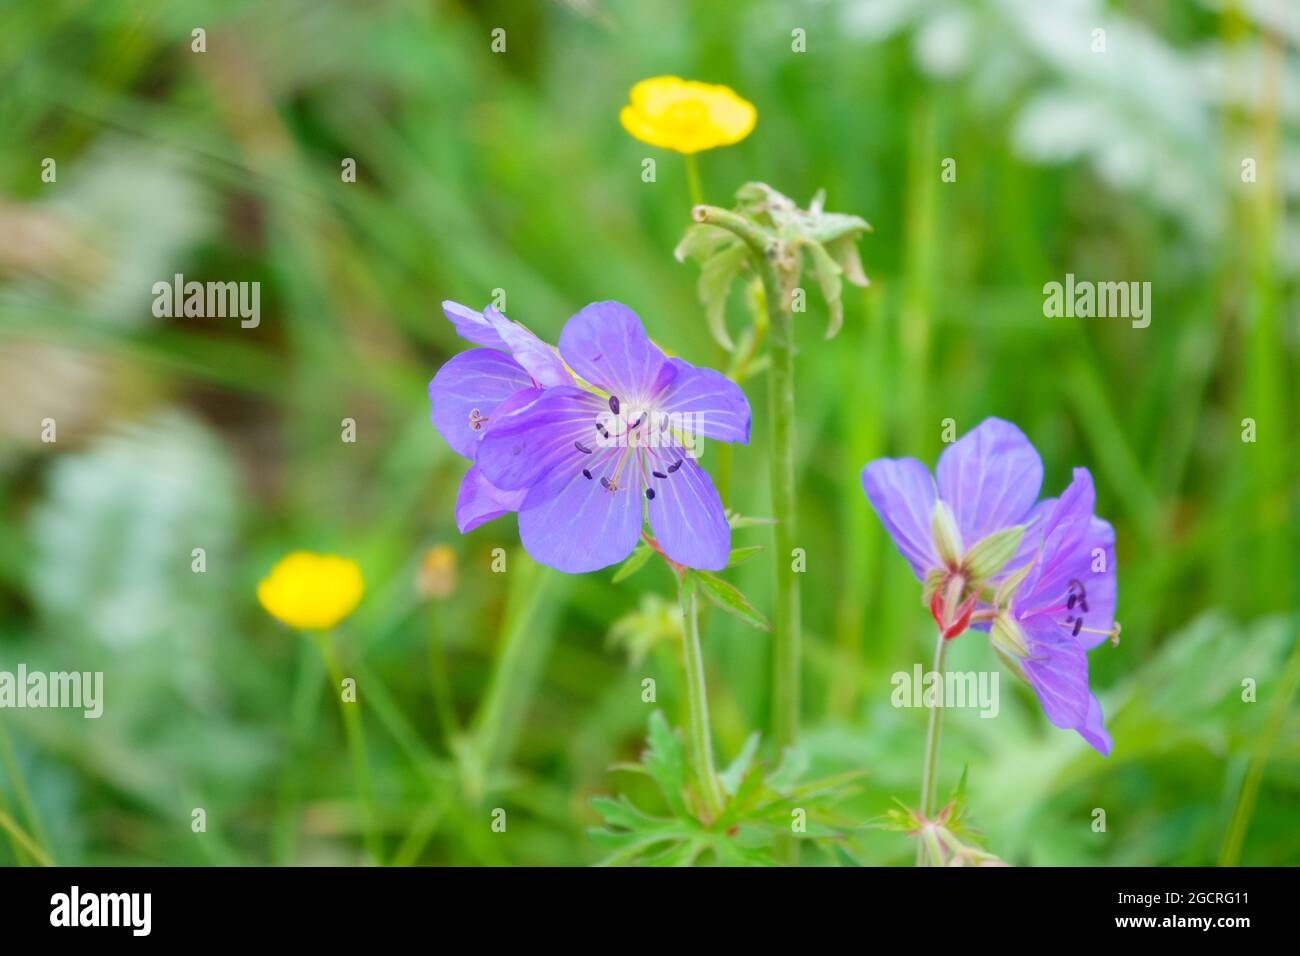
602, 429
586, 474
1070, 603
613, 404
582, 448
477, 419
605, 483
1078, 626
658, 474
674, 466
650, 493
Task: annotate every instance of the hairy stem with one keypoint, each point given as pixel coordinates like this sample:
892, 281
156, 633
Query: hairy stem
786, 636
929, 774
698, 700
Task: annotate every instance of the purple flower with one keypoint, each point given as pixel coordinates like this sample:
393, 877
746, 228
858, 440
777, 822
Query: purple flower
1039, 577
595, 460
480, 385
583, 460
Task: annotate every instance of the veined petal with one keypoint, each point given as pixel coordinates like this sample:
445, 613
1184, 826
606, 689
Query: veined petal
902, 492
479, 501
1093, 731
707, 403
528, 445
475, 381
536, 357
582, 525
686, 514
606, 344
472, 324
1057, 669
990, 478
1062, 534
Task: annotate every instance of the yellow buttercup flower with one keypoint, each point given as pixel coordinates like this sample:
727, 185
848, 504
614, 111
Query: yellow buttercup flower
685, 115
311, 592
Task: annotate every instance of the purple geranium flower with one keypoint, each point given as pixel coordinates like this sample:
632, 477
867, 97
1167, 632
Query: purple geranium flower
594, 460
480, 385
1040, 577
582, 459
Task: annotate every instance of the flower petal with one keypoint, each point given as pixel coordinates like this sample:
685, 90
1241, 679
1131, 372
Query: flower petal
581, 525
472, 324
536, 357
1061, 556
1093, 731
706, 402
990, 478
479, 501
902, 492
1057, 669
606, 344
480, 379
529, 445
686, 513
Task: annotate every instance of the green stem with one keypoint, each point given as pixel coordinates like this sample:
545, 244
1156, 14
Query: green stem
356, 746
693, 179
305, 697
698, 698
786, 635
929, 775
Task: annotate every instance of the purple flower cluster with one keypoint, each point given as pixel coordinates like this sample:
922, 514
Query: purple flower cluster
586, 441
1046, 598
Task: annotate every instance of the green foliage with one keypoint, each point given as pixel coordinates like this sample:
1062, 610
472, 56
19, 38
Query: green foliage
759, 810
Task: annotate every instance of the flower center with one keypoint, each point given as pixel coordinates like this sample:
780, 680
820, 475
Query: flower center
637, 433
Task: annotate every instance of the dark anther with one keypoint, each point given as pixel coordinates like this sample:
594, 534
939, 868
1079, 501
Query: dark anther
601, 428
586, 474
605, 483
650, 493
675, 465
658, 474
582, 448
1078, 625
640, 418
1070, 603
1083, 605
613, 404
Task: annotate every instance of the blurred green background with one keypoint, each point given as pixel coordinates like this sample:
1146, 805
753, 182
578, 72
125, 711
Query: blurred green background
480, 170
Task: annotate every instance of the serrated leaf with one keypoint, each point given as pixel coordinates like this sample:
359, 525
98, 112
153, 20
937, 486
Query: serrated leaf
665, 759
727, 597
735, 772
634, 563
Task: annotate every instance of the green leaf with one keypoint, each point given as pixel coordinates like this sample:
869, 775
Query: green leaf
665, 760
716, 275
731, 777
634, 563
725, 596
744, 521
828, 277
740, 555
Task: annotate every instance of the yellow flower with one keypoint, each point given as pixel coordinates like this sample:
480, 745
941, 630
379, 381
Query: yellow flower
685, 115
311, 592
